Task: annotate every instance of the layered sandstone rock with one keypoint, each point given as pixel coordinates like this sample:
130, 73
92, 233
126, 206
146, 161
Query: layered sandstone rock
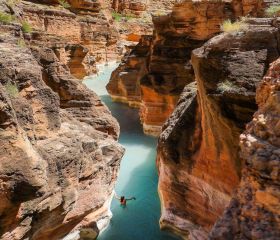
254, 212
134, 17
82, 36
125, 80
135, 6
59, 157
168, 71
198, 158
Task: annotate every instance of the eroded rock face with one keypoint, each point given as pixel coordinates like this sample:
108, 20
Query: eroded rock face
167, 67
134, 17
135, 6
82, 35
59, 157
254, 211
199, 164
124, 85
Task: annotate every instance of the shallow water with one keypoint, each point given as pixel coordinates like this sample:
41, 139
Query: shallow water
138, 176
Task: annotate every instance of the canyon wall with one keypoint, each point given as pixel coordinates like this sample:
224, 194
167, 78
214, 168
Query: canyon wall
59, 156
254, 211
133, 18
167, 67
81, 35
198, 152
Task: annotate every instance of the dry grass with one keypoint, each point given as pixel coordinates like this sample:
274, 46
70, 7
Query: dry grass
64, 3
227, 86
26, 28
231, 27
273, 11
11, 89
6, 18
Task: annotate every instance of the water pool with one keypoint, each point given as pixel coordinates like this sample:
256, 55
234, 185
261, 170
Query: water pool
138, 176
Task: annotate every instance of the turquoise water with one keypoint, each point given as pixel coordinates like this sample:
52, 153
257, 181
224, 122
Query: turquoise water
138, 175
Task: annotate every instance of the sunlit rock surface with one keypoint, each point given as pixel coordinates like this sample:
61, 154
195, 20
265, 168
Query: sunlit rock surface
167, 68
59, 157
199, 163
81, 35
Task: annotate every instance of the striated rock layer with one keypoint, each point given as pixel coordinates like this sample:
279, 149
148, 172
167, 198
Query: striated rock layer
59, 157
81, 36
198, 158
167, 68
254, 212
135, 16
125, 80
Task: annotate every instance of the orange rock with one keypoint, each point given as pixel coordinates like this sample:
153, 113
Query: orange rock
254, 210
198, 150
62, 29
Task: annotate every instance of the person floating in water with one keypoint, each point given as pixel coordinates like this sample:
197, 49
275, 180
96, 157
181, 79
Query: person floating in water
123, 200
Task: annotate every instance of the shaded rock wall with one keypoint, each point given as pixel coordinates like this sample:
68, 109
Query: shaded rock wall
187, 27
59, 157
254, 211
199, 164
125, 80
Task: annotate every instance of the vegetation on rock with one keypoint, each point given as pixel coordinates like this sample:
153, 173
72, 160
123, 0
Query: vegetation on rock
120, 17
26, 28
6, 18
64, 4
273, 11
11, 89
21, 43
231, 27
227, 86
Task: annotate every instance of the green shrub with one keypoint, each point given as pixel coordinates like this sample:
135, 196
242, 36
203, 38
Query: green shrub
64, 3
26, 28
6, 18
227, 86
230, 27
273, 11
21, 43
117, 16
11, 89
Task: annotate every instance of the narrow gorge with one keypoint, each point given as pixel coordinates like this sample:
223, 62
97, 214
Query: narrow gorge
174, 105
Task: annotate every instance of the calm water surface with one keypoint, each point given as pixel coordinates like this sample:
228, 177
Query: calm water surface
138, 175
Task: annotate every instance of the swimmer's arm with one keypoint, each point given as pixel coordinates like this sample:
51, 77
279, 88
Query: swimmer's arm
132, 198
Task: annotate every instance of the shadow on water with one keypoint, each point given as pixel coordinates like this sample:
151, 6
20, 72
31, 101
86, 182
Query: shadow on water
138, 177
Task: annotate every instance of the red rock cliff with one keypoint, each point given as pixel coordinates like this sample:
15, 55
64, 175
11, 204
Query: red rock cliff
167, 67
81, 36
198, 159
58, 146
254, 211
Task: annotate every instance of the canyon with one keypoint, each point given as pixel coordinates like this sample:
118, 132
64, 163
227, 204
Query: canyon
161, 62
58, 140
211, 97
201, 138
211, 83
